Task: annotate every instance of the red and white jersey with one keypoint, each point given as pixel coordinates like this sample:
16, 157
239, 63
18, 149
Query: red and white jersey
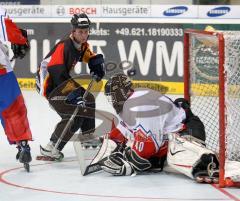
8, 32
153, 115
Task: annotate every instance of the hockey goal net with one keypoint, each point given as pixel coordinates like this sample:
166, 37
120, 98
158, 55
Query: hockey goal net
212, 84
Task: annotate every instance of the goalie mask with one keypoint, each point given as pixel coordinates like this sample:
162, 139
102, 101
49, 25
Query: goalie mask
117, 89
80, 21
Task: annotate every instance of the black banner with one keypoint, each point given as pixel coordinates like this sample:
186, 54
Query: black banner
154, 50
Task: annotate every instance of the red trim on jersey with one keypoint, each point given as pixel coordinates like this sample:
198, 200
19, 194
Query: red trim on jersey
57, 58
162, 151
3, 71
117, 136
13, 32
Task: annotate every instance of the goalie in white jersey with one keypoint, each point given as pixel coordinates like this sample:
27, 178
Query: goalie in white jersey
153, 128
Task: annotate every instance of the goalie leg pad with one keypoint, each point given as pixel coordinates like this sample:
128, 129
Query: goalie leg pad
192, 158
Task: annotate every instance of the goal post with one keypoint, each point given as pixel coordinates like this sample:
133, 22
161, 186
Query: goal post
212, 85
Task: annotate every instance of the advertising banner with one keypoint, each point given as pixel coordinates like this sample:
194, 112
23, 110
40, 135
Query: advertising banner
174, 11
28, 11
220, 11
69, 10
125, 11
153, 50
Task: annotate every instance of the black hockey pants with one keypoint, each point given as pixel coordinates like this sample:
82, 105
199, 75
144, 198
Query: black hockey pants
84, 120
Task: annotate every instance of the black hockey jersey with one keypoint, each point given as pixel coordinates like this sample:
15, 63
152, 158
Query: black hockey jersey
56, 66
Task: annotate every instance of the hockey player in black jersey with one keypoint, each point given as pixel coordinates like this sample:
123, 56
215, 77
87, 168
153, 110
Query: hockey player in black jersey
54, 80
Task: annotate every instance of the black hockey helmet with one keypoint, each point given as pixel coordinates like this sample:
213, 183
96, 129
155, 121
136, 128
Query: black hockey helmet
80, 21
117, 89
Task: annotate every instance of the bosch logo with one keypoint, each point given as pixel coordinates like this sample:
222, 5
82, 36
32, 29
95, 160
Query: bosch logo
60, 10
219, 11
88, 11
178, 10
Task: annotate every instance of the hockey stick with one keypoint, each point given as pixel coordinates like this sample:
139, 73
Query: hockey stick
70, 121
93, 166
85, 169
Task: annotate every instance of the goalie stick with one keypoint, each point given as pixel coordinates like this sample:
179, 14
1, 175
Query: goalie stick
85, 169
105, 150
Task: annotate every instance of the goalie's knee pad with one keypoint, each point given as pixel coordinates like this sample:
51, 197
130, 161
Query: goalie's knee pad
191, 158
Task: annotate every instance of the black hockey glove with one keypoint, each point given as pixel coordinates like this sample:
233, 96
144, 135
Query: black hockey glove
206, 170
20, 51
182, 102
75, 97
125, 162
117, 165
96, 66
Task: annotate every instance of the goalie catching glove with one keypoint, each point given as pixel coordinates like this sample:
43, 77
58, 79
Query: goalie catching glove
123, 163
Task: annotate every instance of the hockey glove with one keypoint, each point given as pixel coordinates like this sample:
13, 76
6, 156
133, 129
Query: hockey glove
182, 102
206, 169
116, 164
75, 98
96, 66
20, 51
124, 163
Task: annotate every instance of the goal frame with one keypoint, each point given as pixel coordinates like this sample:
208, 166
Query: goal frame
222, 116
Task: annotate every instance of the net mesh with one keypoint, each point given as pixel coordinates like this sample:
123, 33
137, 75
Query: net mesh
232, 90
204, 86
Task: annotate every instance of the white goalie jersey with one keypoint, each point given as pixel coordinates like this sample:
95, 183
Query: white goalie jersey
152, 114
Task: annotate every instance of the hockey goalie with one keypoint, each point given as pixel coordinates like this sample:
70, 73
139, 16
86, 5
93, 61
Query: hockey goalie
153, 133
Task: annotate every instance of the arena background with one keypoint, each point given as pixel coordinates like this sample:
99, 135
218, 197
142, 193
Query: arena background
125, 35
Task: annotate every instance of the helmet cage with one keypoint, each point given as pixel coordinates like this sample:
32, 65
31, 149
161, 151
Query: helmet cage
117, 90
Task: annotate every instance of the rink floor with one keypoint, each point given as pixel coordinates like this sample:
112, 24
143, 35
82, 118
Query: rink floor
62, 181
